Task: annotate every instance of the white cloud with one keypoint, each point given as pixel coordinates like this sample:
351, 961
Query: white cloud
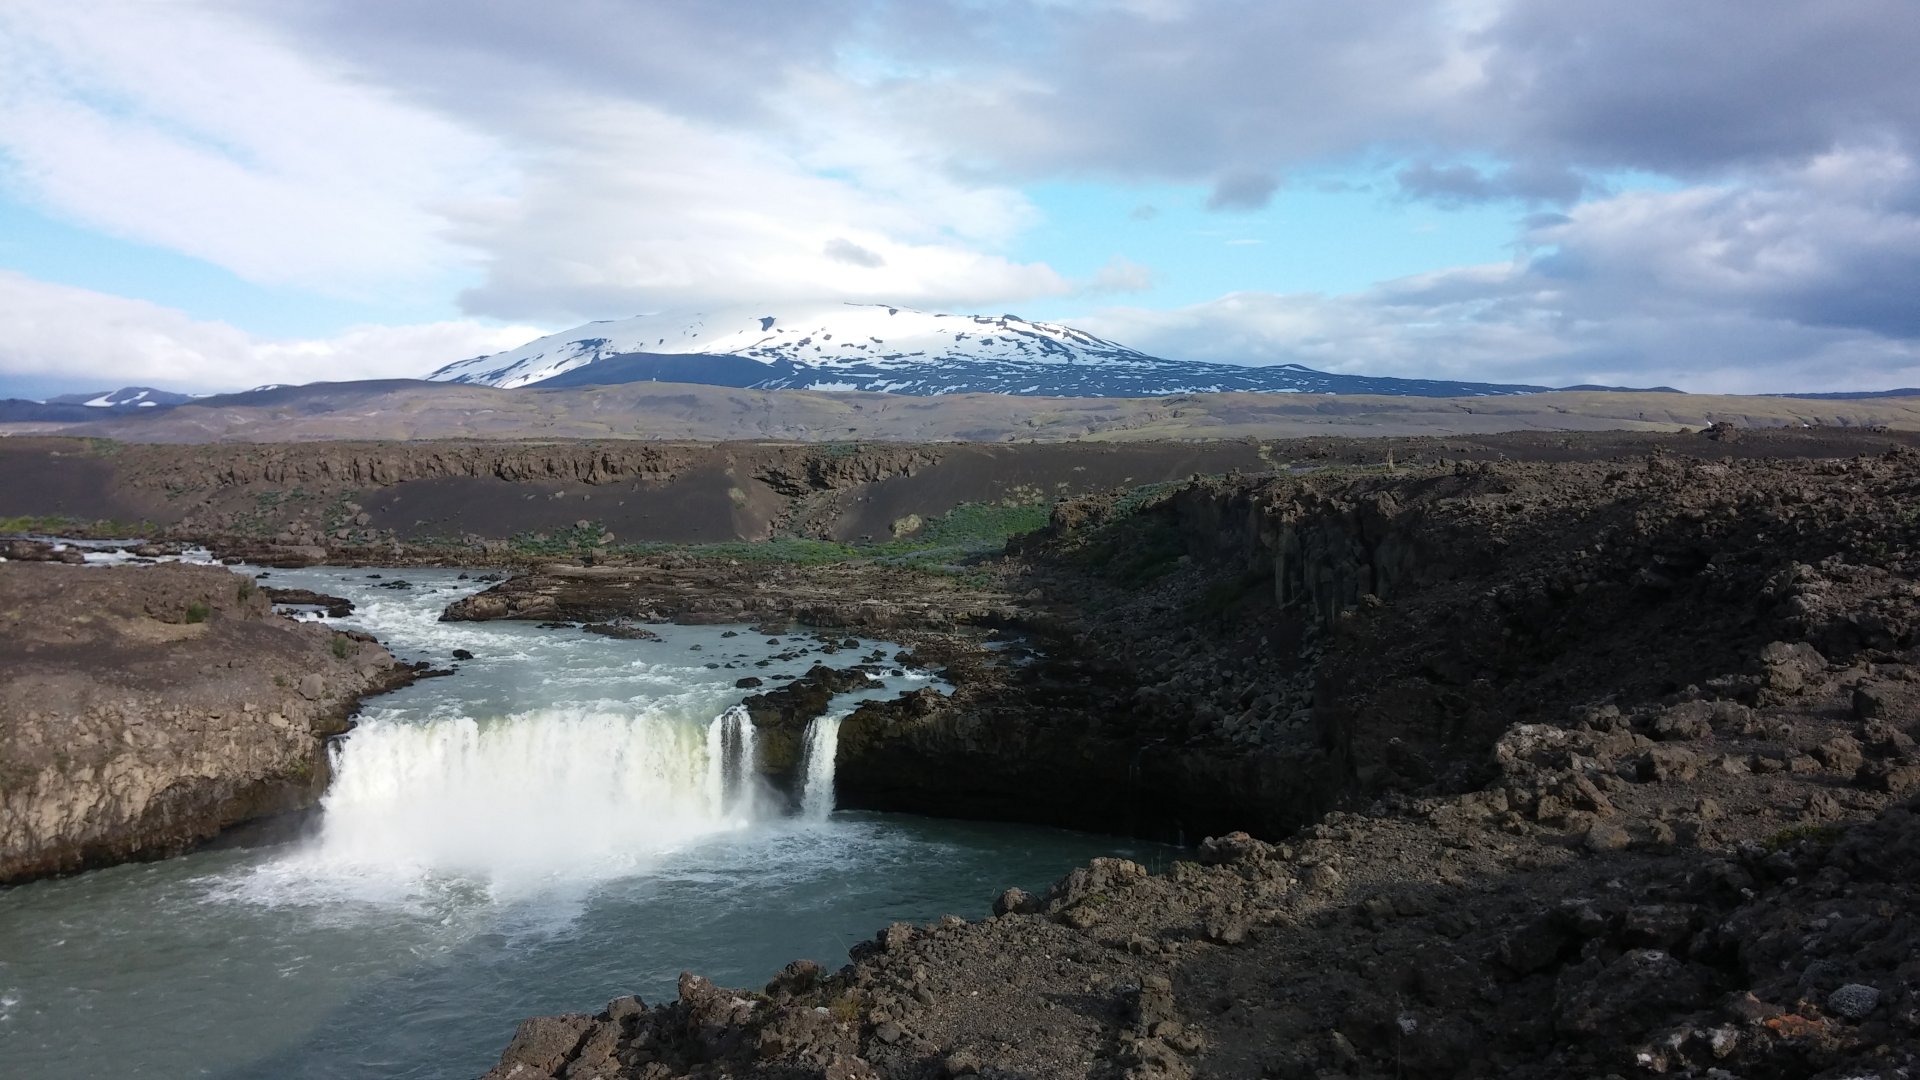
1122, 275
180, 126
52, 332
218, 131
633, 209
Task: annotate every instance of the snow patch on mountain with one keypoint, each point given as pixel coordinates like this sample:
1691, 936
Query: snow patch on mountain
870, 337
127, 397
890, 349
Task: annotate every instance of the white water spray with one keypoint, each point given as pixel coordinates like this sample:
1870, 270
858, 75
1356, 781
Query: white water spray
732, 780
822, 742
574, 792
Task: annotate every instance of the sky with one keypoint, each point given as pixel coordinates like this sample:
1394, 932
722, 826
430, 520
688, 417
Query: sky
1718, 195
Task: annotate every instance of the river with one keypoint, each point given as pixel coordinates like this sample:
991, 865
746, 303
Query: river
566, 819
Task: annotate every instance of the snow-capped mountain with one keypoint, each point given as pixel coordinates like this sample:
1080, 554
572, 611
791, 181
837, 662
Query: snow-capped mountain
894, 350
127, 397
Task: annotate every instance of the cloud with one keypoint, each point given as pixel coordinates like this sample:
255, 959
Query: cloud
428, 143
1186, 92
1461, 185
1121, 275
633, 209
50, 334
1802, 283
1243, 191
186, 128
841, 249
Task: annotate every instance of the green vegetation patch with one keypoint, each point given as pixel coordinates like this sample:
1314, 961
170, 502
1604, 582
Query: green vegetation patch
58, 525
942, 545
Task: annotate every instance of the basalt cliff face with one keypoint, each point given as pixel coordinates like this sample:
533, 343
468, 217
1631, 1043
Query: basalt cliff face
146, 709
1551, 769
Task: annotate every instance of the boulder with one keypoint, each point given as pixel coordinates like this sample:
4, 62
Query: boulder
545, 1043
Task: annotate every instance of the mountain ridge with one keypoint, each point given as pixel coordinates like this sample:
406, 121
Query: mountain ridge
887, 348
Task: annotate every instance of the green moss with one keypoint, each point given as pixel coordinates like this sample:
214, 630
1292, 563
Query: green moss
197, 612
966, 532
342, 646
58, 525
845, 1008
1794, 834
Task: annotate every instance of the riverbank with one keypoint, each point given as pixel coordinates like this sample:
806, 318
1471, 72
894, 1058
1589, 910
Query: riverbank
144, 710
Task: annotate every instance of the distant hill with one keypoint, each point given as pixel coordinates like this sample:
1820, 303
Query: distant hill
411, 409
125, 399
80, 408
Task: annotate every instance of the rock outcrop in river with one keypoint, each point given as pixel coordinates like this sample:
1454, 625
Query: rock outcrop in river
145, 709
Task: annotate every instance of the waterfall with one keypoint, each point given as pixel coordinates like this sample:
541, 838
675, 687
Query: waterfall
816, 793
549, 791
732, 780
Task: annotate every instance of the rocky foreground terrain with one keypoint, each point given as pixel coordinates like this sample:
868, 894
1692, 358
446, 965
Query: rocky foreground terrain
1578, 768
146, 709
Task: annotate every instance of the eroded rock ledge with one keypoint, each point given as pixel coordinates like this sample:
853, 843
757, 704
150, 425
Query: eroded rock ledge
680, 590
145, 709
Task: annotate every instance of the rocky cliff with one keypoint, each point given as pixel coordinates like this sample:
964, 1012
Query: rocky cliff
1582, 769
145, 709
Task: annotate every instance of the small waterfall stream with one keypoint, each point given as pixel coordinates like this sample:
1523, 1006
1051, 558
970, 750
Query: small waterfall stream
822, 743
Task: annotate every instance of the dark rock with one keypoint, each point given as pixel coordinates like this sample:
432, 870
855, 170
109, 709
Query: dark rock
1668, 763
544, 1043
797, 978
1593, 999
1539, 944
336, 607
621, 631
1688, 720
1869, 702
1233, 848
1855, 1001
1149, 1003
1788, 668
1606, 836
462, 654
1013, 902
